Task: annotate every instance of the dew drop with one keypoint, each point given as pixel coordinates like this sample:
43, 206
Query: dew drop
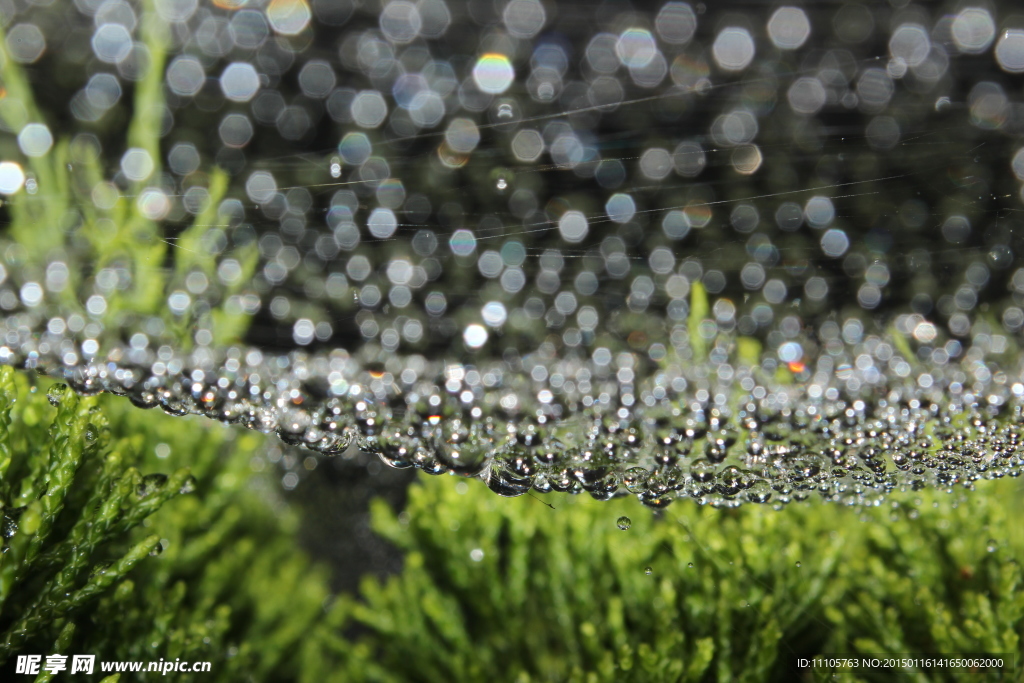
623, 522
992, 545
55, 393
188, 486
635, 479
102, 568
798, 565
157, 549
9, 524
150, 484
648, 571
690, 565
502, 183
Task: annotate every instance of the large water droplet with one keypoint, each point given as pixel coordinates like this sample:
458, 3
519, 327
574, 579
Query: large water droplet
759, 492
635, 479
55, 393
623, 522
505, 482
702, 470
464, 457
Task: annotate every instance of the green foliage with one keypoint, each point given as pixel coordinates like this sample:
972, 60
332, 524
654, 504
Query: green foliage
936, 579
563, 595
86, 507
77, 214
699, 310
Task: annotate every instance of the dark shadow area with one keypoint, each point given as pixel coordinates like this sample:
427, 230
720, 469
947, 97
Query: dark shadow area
334, 500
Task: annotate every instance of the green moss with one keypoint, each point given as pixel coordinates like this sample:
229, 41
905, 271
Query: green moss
512, 590
93, 490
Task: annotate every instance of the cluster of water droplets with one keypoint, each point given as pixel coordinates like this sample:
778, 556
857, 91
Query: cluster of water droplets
683, 253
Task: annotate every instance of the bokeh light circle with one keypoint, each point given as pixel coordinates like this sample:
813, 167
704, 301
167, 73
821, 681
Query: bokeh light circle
733, 49
493, 73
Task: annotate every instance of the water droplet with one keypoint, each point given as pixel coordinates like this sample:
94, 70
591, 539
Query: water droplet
9, 525
393, 448
993, 545
690, 565
505, 482
150, 484
635, 479
502, 183
157, 549
461, 453
102, 568
759, 491
798, 565
188, 486
55, 393
702, 470
623, 522
648, 571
